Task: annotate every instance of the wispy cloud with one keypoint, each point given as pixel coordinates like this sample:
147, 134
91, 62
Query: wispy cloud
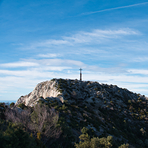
42, 68
50, 55
36, 67
110, 9
48, 43
59, 62
138, 71
53, 42
107, 33
19, 64
140, 59
96, 36
26, 73
116, 78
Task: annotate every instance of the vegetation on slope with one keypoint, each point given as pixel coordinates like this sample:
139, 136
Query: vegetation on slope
29, 127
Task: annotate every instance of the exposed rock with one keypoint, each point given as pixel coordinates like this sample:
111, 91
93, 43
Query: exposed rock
43, 89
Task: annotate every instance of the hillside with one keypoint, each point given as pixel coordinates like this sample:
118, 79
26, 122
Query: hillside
103, 109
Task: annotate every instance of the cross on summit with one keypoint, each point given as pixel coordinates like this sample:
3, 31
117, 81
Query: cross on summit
80, 74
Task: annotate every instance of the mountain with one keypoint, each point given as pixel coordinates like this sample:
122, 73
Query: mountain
105, 110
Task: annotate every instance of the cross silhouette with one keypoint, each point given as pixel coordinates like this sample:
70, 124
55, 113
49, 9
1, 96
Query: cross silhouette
80, 74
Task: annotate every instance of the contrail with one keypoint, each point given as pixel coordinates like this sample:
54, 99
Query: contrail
115, 8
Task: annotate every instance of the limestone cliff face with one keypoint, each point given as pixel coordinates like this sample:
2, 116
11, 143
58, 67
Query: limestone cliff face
42, 90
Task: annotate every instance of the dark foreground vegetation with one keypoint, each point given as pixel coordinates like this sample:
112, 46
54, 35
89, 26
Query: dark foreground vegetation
45, 126
26, 127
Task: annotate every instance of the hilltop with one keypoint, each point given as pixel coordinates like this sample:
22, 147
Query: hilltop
105, 110
80, 91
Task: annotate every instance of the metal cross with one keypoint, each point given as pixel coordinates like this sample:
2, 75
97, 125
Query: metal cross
80, 74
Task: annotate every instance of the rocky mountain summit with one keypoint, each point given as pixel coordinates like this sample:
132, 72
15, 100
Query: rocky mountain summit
103, 109
80, 91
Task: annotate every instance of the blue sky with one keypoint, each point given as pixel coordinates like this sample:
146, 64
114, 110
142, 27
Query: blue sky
41, 40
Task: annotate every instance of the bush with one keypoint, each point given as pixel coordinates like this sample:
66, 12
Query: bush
124, 146
22, 106
15, 137
3, 107
41, 121
95, 142
140, 142
12, 104
146, 142
45, 121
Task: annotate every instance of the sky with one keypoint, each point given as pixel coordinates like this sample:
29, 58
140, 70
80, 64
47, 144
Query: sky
41, 40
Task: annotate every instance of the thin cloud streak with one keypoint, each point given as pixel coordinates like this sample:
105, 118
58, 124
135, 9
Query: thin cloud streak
140, 59
138, 71
27, 73
19, 64
52, 55
96, 36
110, 9
42, 65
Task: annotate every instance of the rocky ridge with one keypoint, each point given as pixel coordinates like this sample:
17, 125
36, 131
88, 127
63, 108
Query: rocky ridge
82, 91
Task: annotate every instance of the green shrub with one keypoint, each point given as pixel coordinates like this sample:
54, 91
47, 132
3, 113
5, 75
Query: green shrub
95, 142
22, 106
124, 146
140, 142
3, 107
111, 101
12, 104
15, 137
146, 142
84, 130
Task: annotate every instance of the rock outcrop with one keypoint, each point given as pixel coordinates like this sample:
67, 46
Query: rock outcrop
42, 90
